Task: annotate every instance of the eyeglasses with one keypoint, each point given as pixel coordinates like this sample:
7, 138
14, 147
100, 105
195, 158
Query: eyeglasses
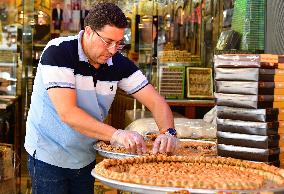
118, 45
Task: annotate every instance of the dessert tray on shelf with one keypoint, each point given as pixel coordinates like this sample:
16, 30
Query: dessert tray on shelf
157, 174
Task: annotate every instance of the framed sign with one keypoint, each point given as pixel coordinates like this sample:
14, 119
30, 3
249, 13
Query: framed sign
199, 82
171, 81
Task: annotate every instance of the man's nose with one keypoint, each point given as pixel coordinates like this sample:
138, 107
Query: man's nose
112, 50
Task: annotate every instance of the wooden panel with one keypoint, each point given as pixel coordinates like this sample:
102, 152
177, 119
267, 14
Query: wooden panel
274, 36
121, 103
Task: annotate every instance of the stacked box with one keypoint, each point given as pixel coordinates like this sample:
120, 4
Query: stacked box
281, 117
250, 100
281, 59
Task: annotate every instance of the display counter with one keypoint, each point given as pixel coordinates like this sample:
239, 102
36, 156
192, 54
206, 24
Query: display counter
10, 126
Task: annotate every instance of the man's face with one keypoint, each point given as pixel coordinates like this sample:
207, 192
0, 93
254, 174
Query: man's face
102, 44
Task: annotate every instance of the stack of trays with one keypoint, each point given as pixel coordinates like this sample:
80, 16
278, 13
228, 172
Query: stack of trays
281, 118
250, 104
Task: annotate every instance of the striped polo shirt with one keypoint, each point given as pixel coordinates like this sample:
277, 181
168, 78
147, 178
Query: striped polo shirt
63, 64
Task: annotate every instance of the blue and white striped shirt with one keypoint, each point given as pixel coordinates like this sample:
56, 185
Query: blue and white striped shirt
63, 64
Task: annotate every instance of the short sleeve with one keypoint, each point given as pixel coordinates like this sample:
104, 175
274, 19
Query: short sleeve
135, 82
132, 79
56, 68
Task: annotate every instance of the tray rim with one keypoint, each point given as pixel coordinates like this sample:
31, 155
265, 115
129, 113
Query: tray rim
109, 154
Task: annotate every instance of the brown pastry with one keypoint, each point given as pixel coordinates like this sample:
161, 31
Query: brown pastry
184, 148
192, 172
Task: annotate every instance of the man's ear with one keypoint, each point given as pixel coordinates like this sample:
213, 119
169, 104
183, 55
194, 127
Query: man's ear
88, 30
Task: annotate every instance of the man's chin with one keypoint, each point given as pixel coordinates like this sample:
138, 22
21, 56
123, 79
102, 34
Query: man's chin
103, 61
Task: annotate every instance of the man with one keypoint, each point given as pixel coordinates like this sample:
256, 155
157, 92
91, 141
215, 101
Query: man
76, 17
57, 17
74, 87
67, 17
83, 13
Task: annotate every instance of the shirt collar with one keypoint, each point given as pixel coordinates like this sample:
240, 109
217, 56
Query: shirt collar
82, 55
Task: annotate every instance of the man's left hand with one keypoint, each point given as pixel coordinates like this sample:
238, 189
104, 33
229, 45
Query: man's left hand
165, 143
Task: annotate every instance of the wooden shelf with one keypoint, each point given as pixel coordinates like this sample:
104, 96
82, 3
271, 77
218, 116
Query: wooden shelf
190, 105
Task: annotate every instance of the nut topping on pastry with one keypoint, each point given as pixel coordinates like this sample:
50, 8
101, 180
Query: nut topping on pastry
184, 148
192, 172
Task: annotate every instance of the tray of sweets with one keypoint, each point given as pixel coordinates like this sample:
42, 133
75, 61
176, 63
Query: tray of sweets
185, 147
180, 174
199, 82
171, 81
146, 189
111, 154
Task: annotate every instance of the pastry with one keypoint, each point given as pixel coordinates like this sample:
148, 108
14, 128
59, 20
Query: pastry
192, 172
184, 148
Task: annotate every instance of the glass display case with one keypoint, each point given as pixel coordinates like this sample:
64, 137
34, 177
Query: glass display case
13, 34
146, 50
8, 73
161, 35
8, 27
8, 48
171, 36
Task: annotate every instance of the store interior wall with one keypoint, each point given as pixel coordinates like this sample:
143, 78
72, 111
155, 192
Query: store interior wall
182, 34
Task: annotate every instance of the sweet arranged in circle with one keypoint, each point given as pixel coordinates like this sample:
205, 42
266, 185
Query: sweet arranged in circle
184, 148
192, 172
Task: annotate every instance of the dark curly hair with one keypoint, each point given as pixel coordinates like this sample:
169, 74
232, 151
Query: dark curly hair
105, 14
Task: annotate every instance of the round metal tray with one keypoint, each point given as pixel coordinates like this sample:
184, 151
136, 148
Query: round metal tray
109, 154
147, 189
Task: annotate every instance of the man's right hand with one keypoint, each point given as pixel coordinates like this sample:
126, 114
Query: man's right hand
131, 140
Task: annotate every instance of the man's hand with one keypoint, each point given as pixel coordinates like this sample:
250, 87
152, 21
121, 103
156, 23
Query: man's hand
165, 144
131, 140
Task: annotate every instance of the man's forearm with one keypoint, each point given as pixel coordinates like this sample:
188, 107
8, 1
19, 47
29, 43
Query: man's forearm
157, 105
163, 115
87, 125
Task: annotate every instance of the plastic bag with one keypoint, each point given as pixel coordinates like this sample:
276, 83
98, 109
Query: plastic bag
186, 128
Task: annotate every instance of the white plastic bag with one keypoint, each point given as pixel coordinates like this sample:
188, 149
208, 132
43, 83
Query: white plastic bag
186, 128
